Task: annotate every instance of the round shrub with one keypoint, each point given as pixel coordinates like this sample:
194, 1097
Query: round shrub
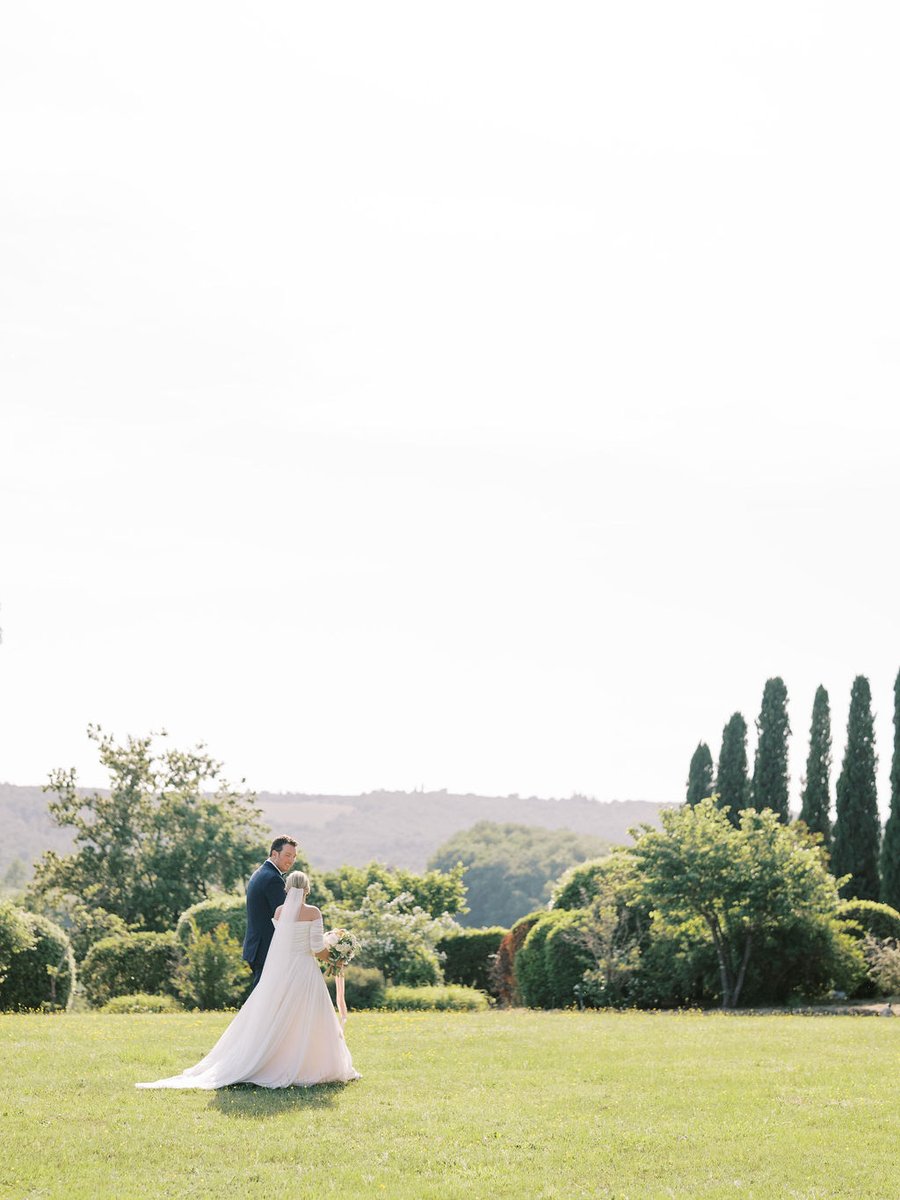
15, 936
566, 959
468, 956
41, 975
532, 974
579, 885
363, 987
206, 916
435, 999
130, 962
141, 1002
868, 916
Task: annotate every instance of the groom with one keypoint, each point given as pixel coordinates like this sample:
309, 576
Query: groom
265, 891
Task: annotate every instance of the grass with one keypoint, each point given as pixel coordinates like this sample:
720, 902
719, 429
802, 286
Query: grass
492, 1104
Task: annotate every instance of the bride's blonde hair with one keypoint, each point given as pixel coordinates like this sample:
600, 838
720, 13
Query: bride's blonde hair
298, 879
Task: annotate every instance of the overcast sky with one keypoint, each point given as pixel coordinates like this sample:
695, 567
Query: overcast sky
483, 396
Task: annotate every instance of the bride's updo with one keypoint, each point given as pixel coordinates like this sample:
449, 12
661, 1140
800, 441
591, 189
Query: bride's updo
297, 879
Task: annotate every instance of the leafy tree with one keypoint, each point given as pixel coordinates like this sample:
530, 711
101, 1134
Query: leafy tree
170, 831
857, 831
436, 891
745, 882
815, 809
890, 848
732, 783
770, 770
510, 869
700, 774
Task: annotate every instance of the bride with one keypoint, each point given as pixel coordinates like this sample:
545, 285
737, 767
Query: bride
287, 1033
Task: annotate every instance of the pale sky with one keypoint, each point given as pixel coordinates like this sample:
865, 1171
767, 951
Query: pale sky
483, 396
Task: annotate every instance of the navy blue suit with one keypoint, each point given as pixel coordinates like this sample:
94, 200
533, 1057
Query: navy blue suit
265, 891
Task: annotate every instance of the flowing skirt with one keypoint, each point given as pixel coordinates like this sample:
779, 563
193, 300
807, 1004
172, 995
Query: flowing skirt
286, 1034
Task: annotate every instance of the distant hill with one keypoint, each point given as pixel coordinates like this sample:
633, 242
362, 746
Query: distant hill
402, 829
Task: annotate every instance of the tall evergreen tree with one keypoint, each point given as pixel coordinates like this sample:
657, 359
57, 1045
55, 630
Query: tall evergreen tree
732, 783
815, 808
857, 831
770, 769
890, 848
700, 775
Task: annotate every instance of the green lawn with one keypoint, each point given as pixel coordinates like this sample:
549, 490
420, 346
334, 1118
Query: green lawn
493, 1104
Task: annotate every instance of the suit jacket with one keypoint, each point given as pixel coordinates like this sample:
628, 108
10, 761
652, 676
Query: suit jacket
265, 891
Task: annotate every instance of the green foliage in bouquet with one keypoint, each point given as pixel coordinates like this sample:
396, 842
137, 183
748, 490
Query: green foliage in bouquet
41, 972
469, 955
212, 974
131, 962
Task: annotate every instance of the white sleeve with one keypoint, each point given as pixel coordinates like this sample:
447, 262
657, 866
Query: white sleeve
316, 935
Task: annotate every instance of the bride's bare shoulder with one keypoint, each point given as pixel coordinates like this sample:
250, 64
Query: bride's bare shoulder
311, 913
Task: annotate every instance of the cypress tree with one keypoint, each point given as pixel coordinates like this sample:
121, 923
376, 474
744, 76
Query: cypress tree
700, 775
770, 769
732, 784
890, 849
856, 829
815, 809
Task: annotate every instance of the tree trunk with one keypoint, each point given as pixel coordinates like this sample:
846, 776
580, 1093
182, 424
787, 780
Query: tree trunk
743, 971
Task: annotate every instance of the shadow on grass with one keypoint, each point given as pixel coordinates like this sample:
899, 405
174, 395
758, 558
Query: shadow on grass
248, 1100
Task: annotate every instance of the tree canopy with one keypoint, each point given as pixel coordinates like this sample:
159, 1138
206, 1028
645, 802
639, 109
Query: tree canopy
742, 882
770, 771
815, 808
510, 869
857, 830
732, 783
700, 775
169, 832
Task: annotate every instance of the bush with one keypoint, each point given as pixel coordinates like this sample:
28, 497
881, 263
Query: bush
40, 975
536, 986
141, 1002
883, 957
128, 963
435, 999
15, 936
468, 956
212, 974
868, 916
363, 987
206, 916
566, 959
502, 975
579, 885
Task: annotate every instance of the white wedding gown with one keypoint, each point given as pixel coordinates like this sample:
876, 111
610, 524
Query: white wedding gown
287, 1033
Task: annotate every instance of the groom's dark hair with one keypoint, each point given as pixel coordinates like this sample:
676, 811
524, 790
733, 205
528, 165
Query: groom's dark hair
280, 843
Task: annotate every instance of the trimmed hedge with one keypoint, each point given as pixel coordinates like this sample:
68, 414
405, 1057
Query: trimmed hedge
140, 1002
204, 917
880, 920
128, 963
363, 987
434, 999
40, 975
504, 983
468, 956
536, 986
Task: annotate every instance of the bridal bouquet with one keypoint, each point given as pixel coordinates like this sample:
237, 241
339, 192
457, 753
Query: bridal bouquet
341, 946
